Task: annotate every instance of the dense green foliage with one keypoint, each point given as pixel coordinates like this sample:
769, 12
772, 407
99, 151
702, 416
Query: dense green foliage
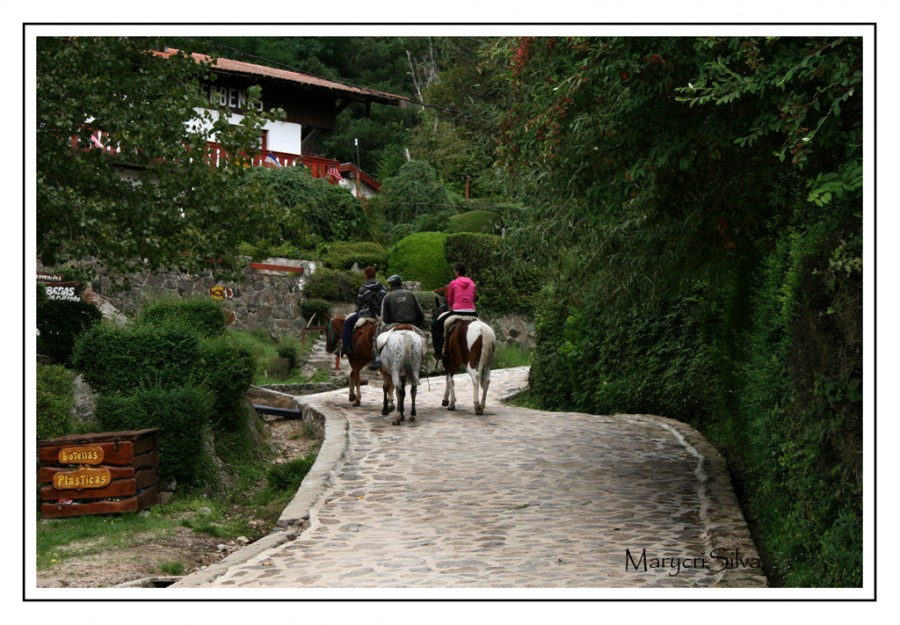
59, 323
225, 368
54, 400
182, 416
482, 221
176, 211
333, 285
308, 210
123, 359
703, 232
175, 368
319, 307
411, 200
420, 258
362, 254
203, 316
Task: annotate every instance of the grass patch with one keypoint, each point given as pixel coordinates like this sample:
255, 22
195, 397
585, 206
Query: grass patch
172, 568
66, 538
510, 356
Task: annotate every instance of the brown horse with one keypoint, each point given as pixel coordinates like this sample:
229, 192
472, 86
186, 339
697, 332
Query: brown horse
469, 343
360, 351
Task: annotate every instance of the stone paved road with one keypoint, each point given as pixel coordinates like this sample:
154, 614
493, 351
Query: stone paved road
511, 499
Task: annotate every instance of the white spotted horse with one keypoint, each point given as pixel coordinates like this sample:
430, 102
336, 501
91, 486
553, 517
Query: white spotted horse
401, 361
469, 342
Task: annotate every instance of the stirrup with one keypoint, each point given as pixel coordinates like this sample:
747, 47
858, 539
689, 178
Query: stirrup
375, 365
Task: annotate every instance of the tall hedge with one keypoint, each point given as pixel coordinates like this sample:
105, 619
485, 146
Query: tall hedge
420, 257
204, 316
122, 359
182, 416
55, 400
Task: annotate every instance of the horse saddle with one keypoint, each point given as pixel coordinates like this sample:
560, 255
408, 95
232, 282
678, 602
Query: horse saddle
362, 321
381, 341
452, 320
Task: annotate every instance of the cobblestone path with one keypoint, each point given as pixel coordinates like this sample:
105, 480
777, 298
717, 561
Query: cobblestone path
512, 499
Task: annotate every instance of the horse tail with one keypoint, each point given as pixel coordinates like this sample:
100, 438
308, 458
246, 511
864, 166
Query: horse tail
409, 359
488, 344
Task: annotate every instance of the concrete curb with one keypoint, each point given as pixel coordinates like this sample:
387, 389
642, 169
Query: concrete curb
296, 516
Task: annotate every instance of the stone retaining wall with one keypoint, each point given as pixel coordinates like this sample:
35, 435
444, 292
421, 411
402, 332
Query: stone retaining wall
268, 296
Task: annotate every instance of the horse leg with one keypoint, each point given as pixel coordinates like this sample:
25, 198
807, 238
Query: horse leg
352, 384
400, 386
450, 392
355, 380
485, 383
412, 396
388, 387
476, 387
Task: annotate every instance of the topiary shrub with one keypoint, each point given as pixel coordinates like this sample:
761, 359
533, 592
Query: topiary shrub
55, 400
121, 359
226, 369
319, 307
60, 322
201, 315
346, 255
481, 221
420, 257
182, 416
333, 285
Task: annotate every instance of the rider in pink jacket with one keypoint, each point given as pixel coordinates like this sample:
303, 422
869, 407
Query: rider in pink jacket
460, 299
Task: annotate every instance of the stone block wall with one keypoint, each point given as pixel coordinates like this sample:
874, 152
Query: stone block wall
268, 296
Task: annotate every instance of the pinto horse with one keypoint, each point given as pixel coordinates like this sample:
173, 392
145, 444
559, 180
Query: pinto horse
401, 361
360, 350
470, 343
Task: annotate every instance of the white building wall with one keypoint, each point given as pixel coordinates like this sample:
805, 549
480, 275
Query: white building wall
283, 136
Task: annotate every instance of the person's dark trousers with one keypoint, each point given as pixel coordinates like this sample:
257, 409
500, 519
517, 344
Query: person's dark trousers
347, 334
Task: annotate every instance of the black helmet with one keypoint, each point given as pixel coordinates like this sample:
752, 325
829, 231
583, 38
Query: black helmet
395, 280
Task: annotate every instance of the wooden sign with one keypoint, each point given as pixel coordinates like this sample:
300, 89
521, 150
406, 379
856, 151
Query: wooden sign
81, 455
104, 473
82, 478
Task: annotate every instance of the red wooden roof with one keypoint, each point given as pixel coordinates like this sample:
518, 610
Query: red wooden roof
306, 80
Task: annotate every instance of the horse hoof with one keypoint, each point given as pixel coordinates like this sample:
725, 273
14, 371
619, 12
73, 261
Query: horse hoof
479, 411
451, 407
412, 419
445, 403
395, 422
385, 412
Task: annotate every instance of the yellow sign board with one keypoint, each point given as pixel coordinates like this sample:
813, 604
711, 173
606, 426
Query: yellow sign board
81, 455
82, 478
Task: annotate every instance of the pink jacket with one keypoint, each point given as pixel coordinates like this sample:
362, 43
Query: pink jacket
461, 294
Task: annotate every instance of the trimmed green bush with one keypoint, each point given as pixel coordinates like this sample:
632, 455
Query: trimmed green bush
420, 257
345, 255
60, 322
319, 307
55, 401
182, 416
225, 368
122, 359
202, 315
481, 221
333, 285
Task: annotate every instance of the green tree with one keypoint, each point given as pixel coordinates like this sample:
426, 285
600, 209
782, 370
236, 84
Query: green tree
415, 193
149, 198
702, 234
